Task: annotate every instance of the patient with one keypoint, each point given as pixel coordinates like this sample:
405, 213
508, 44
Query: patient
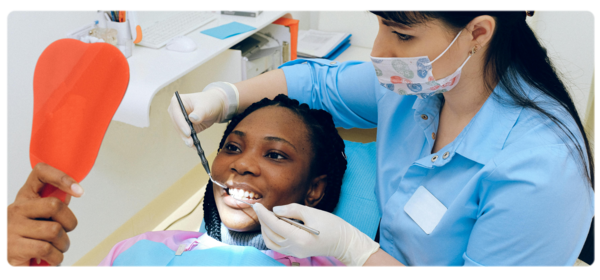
275, 153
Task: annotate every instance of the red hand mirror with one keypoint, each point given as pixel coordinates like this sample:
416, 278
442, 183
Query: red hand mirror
77, 88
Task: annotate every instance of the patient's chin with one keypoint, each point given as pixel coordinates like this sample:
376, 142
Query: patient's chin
240, 223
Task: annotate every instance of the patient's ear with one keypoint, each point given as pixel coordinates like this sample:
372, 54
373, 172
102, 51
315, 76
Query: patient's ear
316, 190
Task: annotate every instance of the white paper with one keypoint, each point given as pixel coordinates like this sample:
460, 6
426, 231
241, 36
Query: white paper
315, 43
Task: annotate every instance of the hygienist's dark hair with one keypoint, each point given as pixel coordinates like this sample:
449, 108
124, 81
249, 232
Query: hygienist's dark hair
328, 150
514, 52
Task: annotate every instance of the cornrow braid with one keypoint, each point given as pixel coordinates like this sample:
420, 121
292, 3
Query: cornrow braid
328, 156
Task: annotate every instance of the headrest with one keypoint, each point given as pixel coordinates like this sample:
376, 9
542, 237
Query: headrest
358, 205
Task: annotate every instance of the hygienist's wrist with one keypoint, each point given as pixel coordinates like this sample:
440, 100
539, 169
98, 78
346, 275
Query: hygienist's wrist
231, 99
381, 258
361, 249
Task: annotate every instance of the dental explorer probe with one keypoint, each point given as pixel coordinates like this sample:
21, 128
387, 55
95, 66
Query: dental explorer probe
288, 220
206, 167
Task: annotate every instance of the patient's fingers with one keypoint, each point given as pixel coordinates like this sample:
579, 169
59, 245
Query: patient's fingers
50, 231
25, 249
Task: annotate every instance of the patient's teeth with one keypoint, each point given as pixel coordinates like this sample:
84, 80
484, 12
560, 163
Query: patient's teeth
243, 194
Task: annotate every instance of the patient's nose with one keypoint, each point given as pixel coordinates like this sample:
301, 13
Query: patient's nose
246, 164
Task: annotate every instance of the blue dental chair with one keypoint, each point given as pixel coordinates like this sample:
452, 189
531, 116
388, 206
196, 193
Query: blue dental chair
588, 253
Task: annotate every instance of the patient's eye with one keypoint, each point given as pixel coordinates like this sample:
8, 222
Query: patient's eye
232, 148
275, 155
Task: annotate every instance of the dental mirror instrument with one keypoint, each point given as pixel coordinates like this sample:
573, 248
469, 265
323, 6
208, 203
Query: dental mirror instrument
205, 164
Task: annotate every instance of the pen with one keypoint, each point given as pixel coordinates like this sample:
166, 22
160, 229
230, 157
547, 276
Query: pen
114, 16
122, 14
106, 16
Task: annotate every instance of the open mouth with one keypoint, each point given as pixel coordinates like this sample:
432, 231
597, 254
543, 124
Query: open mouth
242, 194
241, 191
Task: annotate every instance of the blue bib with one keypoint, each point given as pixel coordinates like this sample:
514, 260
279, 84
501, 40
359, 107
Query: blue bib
150, 253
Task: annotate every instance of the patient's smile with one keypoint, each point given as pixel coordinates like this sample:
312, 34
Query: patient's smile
241, 190
241, 194
230, 201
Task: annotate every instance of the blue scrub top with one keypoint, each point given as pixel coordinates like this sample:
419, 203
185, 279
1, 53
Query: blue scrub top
514, 192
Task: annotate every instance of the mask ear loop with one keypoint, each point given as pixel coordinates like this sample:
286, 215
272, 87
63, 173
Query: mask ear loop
445, 49
471, 53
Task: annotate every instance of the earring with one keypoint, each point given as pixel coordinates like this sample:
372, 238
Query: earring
474, 49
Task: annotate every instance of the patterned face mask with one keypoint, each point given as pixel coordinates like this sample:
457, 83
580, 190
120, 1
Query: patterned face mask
413, 75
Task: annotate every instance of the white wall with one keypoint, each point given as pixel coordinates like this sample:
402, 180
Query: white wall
362, 25
305, 17
569, 38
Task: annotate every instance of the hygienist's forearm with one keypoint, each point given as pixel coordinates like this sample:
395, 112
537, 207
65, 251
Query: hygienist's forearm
381, 258
269, 85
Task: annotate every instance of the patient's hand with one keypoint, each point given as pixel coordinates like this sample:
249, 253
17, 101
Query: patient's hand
37, 227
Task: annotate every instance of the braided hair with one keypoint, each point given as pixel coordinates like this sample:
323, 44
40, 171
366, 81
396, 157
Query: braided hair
328, 150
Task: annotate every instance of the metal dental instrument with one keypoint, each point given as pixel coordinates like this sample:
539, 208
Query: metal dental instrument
205, 164
197, 144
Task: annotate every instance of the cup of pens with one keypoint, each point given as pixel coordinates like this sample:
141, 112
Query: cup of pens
118, 21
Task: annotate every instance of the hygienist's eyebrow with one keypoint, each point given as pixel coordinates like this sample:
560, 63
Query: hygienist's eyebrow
394, 24
268, 138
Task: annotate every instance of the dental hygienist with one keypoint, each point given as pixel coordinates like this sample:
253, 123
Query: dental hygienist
481, 156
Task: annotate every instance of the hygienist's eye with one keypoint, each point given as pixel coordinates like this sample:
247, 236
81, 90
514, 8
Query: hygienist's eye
402, 37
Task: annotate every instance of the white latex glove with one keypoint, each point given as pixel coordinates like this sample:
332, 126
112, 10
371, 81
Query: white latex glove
203, 108
337, 238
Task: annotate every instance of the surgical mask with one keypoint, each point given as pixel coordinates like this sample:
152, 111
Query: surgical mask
413, 75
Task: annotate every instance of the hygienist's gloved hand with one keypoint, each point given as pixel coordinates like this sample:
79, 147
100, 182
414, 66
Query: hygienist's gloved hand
337, 238
218, 102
